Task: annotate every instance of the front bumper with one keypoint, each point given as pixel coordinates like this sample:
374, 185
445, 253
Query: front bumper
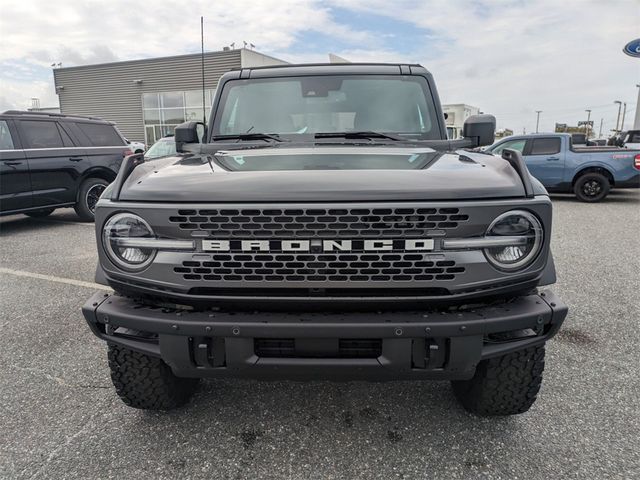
412, 344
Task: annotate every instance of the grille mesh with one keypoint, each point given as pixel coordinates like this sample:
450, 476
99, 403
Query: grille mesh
346, 348
320, 267
318, 222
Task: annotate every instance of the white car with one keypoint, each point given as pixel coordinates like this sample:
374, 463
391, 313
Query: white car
136, 147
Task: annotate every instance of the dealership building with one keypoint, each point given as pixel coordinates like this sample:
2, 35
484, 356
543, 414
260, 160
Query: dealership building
146, 99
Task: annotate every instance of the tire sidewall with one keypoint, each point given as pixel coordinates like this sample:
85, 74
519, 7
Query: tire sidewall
81, 207
588, 177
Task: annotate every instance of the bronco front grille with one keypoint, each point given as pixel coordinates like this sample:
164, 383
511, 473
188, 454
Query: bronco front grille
318, 222
319, 267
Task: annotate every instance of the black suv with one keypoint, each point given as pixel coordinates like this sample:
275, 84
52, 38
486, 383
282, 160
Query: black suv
48, 161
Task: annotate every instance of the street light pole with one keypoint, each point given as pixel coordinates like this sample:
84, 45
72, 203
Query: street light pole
624, 113
618, 119
538, 112
588, 120
600, 132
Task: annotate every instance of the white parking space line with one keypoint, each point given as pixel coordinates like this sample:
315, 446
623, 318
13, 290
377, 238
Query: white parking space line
51, 278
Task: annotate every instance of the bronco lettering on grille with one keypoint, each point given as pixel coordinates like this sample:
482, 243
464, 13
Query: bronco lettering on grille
318, 245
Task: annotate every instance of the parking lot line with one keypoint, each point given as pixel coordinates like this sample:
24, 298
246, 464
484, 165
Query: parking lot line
51, 278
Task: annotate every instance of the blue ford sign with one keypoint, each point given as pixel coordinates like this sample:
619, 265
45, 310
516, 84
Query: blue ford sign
632, 48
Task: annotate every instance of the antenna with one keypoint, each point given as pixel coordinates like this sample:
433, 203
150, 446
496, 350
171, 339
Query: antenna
204, 107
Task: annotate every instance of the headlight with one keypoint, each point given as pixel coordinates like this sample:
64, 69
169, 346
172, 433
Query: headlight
525, 237
123, 239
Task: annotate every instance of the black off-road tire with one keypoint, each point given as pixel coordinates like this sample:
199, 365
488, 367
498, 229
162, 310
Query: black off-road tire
147, 382
505, 385
591, 187
45, 212
87, 192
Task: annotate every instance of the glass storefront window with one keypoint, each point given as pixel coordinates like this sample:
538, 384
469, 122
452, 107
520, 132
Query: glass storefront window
168, 130
151, 116
195, 114
172, 99
149, 135
193, 98
172, 115
163, 111
150, 100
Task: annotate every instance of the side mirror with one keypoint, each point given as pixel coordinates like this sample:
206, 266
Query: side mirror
481, 129
187, 132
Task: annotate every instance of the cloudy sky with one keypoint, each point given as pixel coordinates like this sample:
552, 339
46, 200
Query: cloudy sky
508, 57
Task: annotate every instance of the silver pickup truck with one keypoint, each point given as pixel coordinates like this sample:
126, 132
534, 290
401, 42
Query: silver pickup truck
326, 228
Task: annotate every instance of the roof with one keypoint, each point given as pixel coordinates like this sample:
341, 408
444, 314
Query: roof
24, 113
342, 65
333, 68
155, 59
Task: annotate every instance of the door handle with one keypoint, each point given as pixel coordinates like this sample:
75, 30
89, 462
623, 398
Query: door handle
553, 159
75, 159
13, 163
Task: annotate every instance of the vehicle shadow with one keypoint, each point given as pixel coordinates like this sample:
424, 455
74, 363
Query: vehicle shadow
12, 224
615, 196
379, 425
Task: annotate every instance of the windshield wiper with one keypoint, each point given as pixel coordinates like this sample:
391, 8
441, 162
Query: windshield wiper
249, 136
362, 134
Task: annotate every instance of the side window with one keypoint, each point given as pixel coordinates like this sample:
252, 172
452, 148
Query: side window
545, 146
512, 144
6, 143
66, 140
41, 134
101, 134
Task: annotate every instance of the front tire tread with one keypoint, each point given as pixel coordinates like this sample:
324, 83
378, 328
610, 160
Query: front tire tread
146, 382
505, 385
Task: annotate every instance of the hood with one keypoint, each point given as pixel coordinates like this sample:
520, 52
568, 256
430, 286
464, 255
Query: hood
323, 173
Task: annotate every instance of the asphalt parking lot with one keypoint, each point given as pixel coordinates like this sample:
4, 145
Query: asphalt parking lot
60, 418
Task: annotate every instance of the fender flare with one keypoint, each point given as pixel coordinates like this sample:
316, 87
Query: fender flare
549, 273
595, 166
104, 173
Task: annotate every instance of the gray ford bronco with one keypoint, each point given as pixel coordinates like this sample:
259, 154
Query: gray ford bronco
322, 226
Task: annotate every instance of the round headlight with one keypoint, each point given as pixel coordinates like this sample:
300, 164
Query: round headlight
117, 231
525, 229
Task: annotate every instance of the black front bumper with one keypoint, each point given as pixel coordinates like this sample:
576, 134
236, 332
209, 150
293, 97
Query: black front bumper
326, 345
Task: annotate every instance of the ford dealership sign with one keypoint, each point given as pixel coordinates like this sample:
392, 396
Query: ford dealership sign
632, 48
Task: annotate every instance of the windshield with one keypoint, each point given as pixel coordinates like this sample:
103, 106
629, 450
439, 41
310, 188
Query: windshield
161, 148
332, 103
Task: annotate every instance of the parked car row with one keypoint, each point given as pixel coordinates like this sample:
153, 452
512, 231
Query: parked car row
561, 166
628, 139
48, 161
